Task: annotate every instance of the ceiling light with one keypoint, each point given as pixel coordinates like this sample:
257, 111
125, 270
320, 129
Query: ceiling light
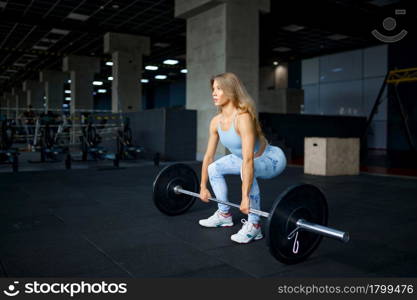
170, 61
78, 17
46, 40
36, 47
65, 105
102, 91
109, 63
162, 45
68, 98
151, 68
30, 56
382, 3
337, 37
185, 71
144, 80
115, 6
281, 49
110, 78
293, 27
19, 64
69, 81
97, 82
67, 92
60, 31
160, 77
275, 63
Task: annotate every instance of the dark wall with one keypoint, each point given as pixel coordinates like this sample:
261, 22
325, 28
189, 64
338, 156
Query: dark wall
171, 132
402, 55
162, 95
154, 95
292, 128
165, 94
177, 94
181, 134
294, 74
102, 101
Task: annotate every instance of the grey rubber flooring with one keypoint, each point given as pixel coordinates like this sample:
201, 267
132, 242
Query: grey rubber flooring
99, 222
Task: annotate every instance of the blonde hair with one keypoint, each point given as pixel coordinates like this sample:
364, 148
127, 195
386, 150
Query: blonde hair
235, 91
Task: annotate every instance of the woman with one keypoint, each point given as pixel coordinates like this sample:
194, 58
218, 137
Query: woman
238, 129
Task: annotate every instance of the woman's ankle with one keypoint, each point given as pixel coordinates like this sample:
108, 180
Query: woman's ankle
256, 225
225, 214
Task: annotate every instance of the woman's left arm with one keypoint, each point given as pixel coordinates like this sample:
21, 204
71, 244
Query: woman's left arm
248, 134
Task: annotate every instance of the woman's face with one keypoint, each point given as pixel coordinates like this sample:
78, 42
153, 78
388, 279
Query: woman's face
219, 98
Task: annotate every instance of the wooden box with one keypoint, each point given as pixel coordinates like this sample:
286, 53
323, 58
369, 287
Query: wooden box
331, 156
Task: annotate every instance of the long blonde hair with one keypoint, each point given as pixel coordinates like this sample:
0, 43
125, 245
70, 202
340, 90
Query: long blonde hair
235, 91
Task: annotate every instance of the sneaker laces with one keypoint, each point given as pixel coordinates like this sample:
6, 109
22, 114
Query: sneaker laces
216, 216
245, 228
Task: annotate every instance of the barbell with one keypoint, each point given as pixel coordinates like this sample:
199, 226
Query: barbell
295, 225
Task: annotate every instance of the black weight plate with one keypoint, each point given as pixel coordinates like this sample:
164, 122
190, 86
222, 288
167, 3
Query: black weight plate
302, 201
164, 197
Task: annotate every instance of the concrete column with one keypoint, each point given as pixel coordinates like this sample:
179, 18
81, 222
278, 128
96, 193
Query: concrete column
126, 51
35, 93
281, 76
222, 36
8, 101
2, 106
54, 84
15, 105
22, 102
274, 94
82, 70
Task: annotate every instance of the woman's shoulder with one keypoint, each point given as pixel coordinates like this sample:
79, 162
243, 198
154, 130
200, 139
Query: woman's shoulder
244, 116
215, 121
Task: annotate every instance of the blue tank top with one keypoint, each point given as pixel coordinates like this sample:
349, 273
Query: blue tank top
232, 141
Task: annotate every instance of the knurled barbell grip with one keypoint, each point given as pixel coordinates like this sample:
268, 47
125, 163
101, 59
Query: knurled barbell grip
178, 189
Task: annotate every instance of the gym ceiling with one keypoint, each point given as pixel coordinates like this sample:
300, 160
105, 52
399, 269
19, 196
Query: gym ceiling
36, 34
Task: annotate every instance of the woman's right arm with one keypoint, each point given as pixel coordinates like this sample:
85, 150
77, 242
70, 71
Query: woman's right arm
208, 159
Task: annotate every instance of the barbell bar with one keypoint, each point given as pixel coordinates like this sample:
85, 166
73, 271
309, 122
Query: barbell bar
295, 224
178, 189
301, 223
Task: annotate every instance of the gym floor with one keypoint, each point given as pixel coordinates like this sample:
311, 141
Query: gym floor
101, 222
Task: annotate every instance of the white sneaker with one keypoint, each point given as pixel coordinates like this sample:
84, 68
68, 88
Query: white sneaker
217, 220
247, 233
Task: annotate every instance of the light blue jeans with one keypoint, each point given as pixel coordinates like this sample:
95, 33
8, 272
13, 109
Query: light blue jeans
271, 163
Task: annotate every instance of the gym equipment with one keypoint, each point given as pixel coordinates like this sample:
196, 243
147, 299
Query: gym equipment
46, 138
90, 141
49, 150
295, 225
166, 199
125, 147
8, 155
